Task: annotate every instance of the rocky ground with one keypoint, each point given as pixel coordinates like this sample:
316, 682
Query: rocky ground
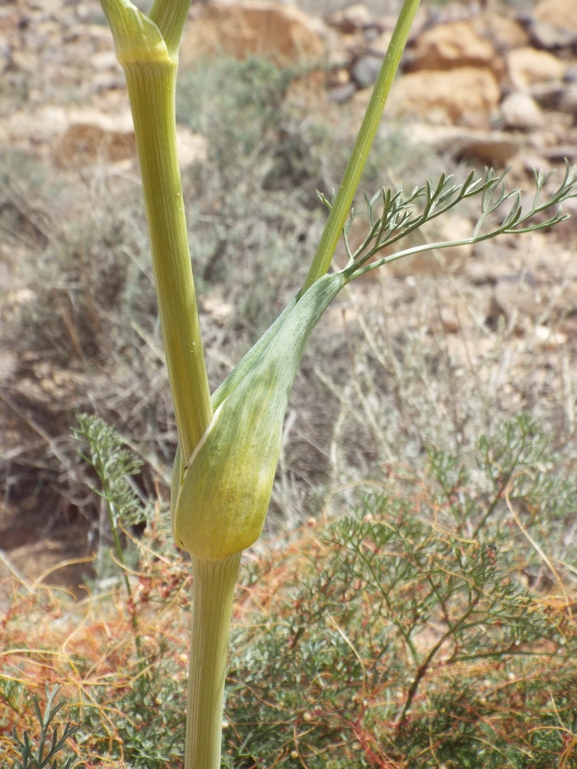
485, 85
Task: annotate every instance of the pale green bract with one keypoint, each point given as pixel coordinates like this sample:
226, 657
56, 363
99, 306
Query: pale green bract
221, 496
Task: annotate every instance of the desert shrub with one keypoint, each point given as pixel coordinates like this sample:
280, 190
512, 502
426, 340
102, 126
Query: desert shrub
404, 635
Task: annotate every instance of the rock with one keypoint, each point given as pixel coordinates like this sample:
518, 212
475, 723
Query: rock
41, 126
351, 19
543, 34
448, 46
515, 295
560, 13
493, 148
548, 95
85, 144
338, 53
549, 338
528, 66
338, 77
342, 93
466, 94
109, 121
503, 32
282, 33
556, 96
86, 136
449, 319
366, 69
105, 60
526, 163
92, 137
555, 133
519, 110
566, 230
568, 99
561, 152
378, 44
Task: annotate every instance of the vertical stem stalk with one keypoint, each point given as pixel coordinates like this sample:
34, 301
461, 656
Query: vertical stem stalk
170, 17
352, 176
214, 583
151, 88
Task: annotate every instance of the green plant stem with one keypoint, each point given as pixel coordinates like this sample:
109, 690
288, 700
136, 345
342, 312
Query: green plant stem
170, 16
424, 667
133, 616
352, 176
151, 88
112, 520
149, 62
120, 556
214, 583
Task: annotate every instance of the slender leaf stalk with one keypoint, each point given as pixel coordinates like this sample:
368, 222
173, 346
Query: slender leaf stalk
341, 207
133, 615
170, 16
214, 583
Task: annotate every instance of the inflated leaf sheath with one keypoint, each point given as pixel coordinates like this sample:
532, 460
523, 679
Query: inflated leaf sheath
136, 37
221, 496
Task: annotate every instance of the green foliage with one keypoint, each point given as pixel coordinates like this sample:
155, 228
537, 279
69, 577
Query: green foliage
249, 104
49, 743
114, 464
400, 215
148, 722
215, 512
406, 641
405, 636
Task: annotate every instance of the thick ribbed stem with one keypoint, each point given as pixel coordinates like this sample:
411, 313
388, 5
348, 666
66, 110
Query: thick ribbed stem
151, 90
214, 583
150, 68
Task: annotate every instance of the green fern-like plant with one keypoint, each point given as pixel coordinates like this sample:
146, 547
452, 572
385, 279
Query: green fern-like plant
44, 753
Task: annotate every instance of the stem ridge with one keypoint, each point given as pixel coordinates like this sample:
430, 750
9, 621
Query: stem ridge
214, 584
